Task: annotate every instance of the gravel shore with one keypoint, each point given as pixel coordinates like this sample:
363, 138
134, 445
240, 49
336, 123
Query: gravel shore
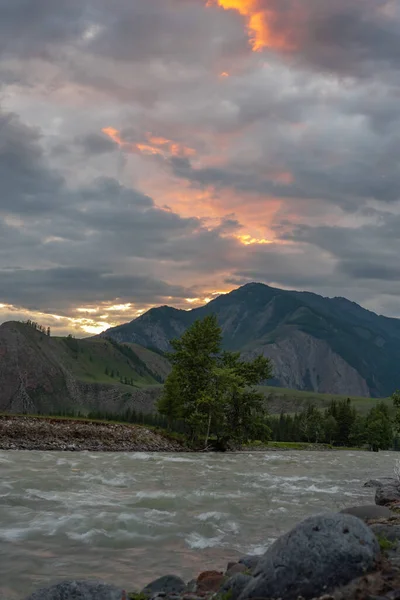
31, 433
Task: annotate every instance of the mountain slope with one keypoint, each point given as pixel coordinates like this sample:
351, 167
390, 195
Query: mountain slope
44, 374
320, 344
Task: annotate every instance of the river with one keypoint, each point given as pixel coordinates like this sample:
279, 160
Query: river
128, 518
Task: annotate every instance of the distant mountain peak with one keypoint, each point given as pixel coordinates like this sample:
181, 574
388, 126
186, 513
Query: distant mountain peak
330, 345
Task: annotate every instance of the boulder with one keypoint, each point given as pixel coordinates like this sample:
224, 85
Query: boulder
168, 584
388, 493
78, 590
368, 512
320, 553
236, 568
210, 581
235, 585
250, 561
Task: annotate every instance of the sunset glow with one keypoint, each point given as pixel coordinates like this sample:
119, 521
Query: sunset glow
152, 146
259, 23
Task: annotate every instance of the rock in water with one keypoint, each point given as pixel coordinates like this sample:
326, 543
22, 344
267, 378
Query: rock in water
368, 512
388, 493
78, 590
168, 584
319, 554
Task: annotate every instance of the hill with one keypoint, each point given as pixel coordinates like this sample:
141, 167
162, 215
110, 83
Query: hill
327, 345
46, 374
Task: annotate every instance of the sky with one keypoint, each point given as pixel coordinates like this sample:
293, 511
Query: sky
166, 151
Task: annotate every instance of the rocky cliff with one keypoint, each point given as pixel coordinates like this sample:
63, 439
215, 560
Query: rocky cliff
46, 375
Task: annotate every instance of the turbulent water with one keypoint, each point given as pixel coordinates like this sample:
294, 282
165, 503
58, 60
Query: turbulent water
127, 518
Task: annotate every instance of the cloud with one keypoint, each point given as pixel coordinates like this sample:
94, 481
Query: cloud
154, 151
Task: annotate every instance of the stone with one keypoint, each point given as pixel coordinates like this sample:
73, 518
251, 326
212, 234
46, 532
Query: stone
250, 560
320, 553
388, 493
78, 590
210, 581
236, 568
235, 585
379, 482
168, 584
368, 512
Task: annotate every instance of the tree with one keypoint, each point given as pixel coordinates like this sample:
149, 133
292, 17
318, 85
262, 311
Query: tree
330, 429
210, 391
379, 430
396, 404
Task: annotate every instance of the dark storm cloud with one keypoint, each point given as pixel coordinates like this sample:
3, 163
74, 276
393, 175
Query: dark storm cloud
27, 185
62, 289
30, 28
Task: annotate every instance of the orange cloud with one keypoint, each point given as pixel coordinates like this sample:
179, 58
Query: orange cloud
152, 145
258, 21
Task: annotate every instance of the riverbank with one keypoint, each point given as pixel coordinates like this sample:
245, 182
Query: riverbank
39, 433
18, 432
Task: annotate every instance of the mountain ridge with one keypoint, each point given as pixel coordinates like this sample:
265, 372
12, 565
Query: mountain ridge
321, 344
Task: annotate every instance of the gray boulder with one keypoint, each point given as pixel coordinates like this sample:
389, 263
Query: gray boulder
235, 585
388, 493
368, 512
168, 584
78, 590
319, 554
250, 561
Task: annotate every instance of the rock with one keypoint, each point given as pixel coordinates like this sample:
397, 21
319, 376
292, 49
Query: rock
368, 512
78, 590
235, 585
388, 493
319, 554
210, 581
168, 584
236, 568
250, 561
379, 482
191, 586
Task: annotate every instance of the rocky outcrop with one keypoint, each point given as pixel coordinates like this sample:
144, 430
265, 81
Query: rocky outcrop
26, 433
304, 362
387, 491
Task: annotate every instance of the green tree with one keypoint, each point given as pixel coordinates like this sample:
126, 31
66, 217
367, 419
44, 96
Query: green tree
330, 428
379, 430
211, 391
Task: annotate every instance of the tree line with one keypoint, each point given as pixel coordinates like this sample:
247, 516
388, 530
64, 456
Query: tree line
339, 425
37, 327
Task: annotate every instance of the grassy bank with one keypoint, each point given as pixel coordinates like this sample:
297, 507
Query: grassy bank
292, 401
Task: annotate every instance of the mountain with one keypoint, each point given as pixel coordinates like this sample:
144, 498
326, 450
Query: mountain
329, 345
46, 374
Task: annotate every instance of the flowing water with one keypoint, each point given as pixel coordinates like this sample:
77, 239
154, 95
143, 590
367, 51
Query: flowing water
128, 518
